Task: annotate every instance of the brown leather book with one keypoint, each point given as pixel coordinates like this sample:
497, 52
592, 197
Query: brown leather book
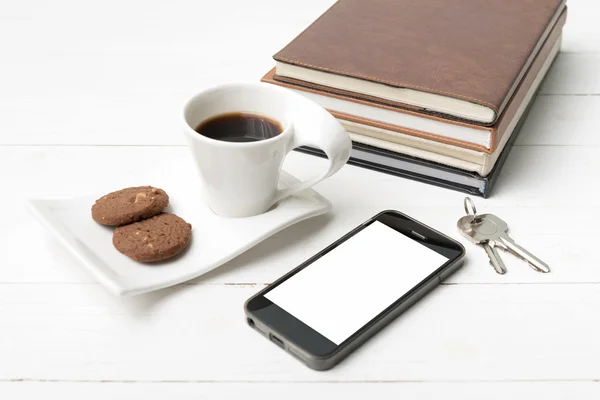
460, 59
390, 123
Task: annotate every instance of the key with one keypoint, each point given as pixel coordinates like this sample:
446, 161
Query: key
492, 229
491, 232
465, 225
494, 257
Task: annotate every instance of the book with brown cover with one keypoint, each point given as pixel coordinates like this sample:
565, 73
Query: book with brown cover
491, 136
458, 59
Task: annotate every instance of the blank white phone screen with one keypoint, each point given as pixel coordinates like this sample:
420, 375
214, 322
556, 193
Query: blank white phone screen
340, 292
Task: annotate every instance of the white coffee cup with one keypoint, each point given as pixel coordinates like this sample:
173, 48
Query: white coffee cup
240, 179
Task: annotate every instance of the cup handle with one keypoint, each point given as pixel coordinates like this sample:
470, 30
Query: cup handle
313, 126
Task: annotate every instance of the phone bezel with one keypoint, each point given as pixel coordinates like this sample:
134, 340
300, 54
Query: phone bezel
306, 343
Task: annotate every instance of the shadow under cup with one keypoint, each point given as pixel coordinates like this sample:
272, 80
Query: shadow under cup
240, 178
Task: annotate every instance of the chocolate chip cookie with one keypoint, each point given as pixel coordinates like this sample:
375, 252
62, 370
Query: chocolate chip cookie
155, 239
129, 205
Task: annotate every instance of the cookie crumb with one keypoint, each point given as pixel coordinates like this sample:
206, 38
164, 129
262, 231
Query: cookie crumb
139, 196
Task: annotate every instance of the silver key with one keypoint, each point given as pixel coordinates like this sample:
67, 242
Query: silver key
490, 229
465, 227
495, 230
495, 259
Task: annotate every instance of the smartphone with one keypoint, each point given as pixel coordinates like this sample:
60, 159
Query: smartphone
332, 303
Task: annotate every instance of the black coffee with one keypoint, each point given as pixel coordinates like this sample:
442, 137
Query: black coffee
239, 127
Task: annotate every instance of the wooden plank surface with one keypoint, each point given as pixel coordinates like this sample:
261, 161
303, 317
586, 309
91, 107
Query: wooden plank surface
536, 218
474, 333
90, 99
573, 74
113, 86
582, 29
562, 121
125, 112
134, 121
301, 391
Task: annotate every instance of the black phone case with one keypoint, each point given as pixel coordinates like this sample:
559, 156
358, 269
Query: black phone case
325, 363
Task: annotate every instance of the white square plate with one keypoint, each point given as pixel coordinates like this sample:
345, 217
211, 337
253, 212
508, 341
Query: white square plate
215, 240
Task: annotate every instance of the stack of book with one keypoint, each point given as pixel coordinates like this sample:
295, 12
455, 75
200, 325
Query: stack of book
431, 90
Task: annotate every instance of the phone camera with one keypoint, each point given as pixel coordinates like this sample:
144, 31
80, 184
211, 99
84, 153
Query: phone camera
250, 322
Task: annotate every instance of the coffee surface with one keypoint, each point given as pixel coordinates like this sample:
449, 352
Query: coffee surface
239, 127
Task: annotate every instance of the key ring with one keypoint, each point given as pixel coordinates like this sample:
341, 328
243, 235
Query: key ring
469, 203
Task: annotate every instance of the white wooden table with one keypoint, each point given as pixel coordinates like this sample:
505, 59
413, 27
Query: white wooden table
90, 95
